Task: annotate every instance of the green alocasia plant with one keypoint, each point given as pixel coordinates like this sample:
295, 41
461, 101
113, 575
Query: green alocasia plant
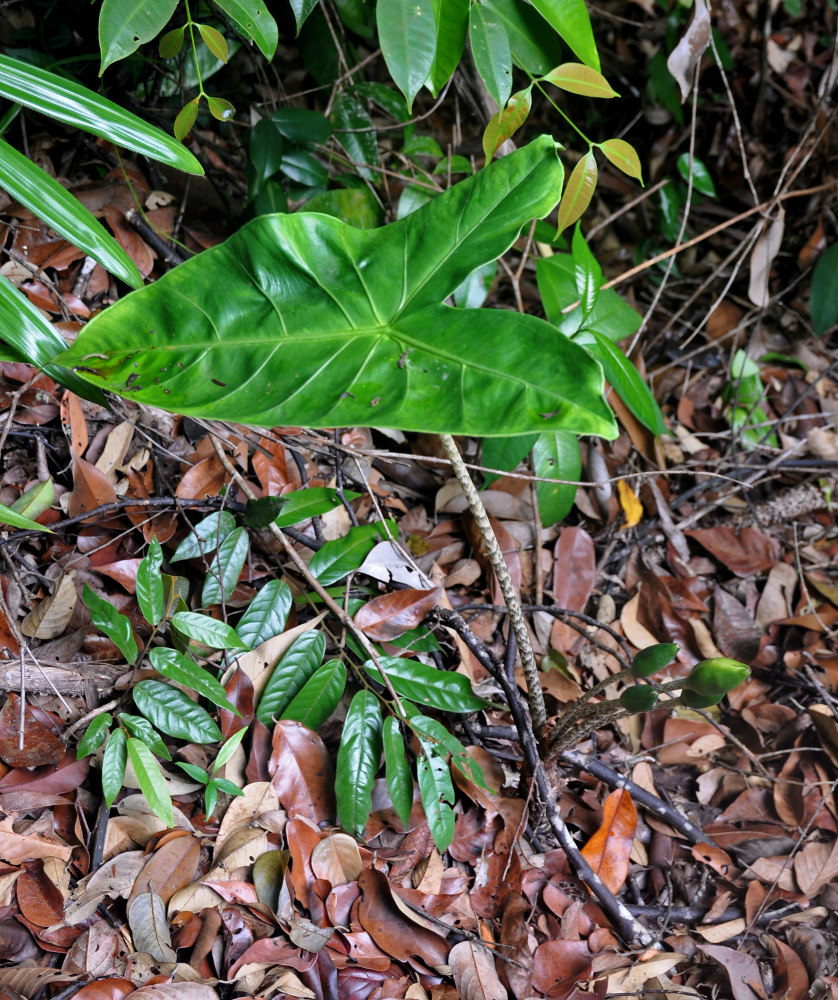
302, 319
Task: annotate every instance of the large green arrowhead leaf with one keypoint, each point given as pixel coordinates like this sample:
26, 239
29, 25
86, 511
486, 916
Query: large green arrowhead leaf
301, 319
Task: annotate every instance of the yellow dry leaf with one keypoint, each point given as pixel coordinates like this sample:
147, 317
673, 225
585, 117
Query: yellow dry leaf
632, 507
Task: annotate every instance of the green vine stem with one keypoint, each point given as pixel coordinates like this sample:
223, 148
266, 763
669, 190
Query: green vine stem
510, 597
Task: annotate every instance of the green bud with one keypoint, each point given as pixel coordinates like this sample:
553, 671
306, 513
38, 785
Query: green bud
654, 658
716, 676
689, 699
639, 698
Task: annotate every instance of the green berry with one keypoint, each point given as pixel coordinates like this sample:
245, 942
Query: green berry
639, 698
716, 676
689, 699
654, 658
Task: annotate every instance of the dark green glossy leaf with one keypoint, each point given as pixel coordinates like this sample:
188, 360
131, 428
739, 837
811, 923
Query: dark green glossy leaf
586, 272
95, 735
397, 770
107, 619
627, 382
289, 676
505, 453
824, 294
206, 536
556, 455
535, 47
437, 790
490, 50
113, 765
442, 689
185, 671
702, 181
68, 102
175, 714
304, 168
11, 517
225, 568
149, 584
302, 125
451, 22
407, 36
206, 630
143, 730
358, 759
369, 345
125, 25
319, 696
43, 195
255, 22
266, 614
294, 508
150, 779
361, 146
570, 19
670, 202
302, 8
334, 560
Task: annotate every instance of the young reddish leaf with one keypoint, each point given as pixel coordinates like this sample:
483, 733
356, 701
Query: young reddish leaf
578, 192
609, 849
624, 157
391, 615
576, 78
506, 122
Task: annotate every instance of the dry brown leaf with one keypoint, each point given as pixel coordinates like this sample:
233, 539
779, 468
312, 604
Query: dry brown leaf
766, 249
815, 866
49, 618
475, 976
636, 976
150, 928
337, 859
388, 616
688, 52
91, 488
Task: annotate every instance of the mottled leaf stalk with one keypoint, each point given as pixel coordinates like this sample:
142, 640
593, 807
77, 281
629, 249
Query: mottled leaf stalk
510, 597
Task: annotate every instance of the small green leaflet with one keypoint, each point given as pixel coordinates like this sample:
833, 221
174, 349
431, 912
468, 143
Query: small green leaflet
340, 557
434, 734
143, 730
108, 620
225, 568
437, 790
94, 735
319, 696
206, 630
266, 614
358, 759
113, 766
397, 768
150, 779
556, 455
206, 536
254, 21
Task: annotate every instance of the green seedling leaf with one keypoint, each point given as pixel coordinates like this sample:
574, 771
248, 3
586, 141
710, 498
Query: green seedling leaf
450, 24
143, 730
226, 786
186, 119
571, 21
437, 791
434, 734
210, 799
206, 536
627, 382
578, 79
225, 568
319, 696
95, 735
254, 21
436, 368
505, 453
334, 560
640, 698
221, 109
289, 676
586, 272
11, 517
623, 155
36, 500
125, 25
214, 41
33, 187
577, 195
490, 50
702, 181
108, 620
228, 749
303, 168
441, 689
506, 123
670, 211
407, 36
556, 455
209, 631
302, 125
716, 676
171, 43
654, 658
361, 147
173, 713
266, 614
294, 508
823, 300
196, 773
397, 770
184, 670
113, 766
150, 779
149, 585
358, 759
69, 102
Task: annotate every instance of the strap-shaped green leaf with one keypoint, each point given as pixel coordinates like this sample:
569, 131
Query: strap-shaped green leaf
451, 21
319, 696
114, 760
442, 689
125, 25
69, 102
184, 670
150, 779
358, 759
492, 55
407, 36
149, 584
254, 20
397, 770
175, 714
295, 667
209, 631
627, 382
225, 568
9, 516
266, 614
107, 619
300, 319
434, 777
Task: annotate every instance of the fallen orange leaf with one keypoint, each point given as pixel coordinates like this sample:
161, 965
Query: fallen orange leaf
609, 849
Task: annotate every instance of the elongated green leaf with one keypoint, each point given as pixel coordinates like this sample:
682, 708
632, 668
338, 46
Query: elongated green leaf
206, 536
94, 735
624, 157
36, 342
68, 102
143, 730
434, 777
229, 748
302, 125
114, 760
266, 614
302, 320
442, 689
492, 55
35, 189
150, 779
586, 272
209, 631
293, 508
9, 516
304, 168
319, 696
505, 453
149, 587
702, 181
255, 22
578, 79
450, 22
173, 713
349, 112
570, 19
36, 500
184, 670
214, 41
397, 771
125, 25
407, 36
335, 559
535, 47
358, 759
556, 455
824, 294
194, 772
627, 382
289, 676
302, 8
225, 568
433, 733
506, 122
107, 619
578, 193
